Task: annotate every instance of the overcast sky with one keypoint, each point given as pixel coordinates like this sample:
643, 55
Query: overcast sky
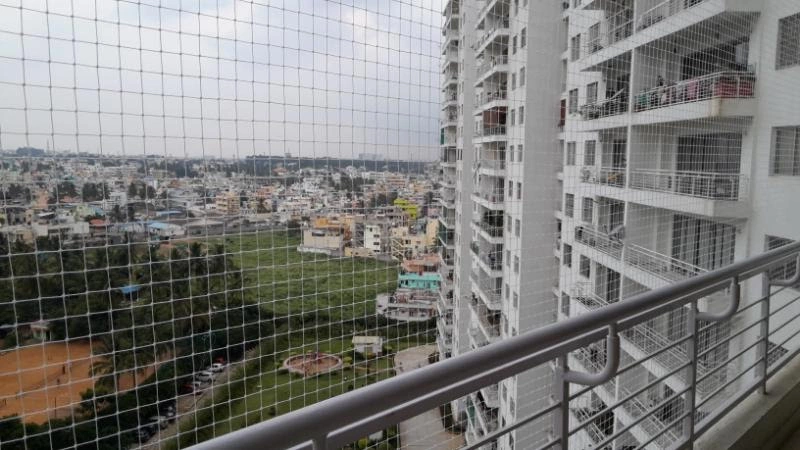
222, 78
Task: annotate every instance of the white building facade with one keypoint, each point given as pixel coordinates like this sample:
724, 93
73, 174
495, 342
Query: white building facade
615, 147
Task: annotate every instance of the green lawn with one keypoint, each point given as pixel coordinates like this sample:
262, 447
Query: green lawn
286, 282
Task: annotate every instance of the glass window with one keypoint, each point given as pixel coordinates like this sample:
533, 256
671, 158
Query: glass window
523, 37
591, 93
519, 191
585, 267
514, 45
788, 42
569, 205
575, 47
589, 152
521, 115
570, 154
587, 211
786, 151
522, 77
573, 101
567, 255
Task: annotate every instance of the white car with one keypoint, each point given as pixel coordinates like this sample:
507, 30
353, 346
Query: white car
204, 376
162, 421
216, 368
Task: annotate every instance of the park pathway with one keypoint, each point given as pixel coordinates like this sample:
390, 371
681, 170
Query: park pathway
424, 431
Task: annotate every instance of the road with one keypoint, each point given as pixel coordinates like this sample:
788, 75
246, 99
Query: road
426, 430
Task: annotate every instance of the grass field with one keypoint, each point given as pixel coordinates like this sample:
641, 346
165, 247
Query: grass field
287, 282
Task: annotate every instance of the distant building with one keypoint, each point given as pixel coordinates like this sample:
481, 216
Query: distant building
368, 344
161, 230
228, 203
417, 281
407, 305
329, 241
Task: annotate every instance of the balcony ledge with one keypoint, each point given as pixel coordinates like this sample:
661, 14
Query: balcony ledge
760, 421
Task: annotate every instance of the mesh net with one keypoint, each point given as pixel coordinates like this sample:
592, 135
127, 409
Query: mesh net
214, 213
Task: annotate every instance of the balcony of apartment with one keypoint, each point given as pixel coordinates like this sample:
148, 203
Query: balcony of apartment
490, 68
659, 21
450, 104
488, 289
489, 227
490, 259
492, 97
452, 8
447, 218
446, 299
599, 240
491, 131
497, 9
481, 416
450, 38
485, 320
448, 119
450, 58
492, 199
492, 32
491, 167
447, 238
719, 94
450, 78
444, 324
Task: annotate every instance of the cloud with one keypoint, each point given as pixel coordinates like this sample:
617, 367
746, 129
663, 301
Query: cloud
221, 78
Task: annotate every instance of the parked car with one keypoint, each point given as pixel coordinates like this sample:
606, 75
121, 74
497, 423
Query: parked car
204, 376
216, 367
168, 411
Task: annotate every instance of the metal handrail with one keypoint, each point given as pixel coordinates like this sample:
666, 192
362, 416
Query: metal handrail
337, 421
727, 84
711, 185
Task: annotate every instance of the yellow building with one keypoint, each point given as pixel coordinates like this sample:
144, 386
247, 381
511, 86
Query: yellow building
228, 203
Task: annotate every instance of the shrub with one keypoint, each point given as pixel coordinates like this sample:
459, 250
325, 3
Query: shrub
363, 443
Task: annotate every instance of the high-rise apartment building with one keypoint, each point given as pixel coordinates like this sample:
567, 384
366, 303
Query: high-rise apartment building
615, 147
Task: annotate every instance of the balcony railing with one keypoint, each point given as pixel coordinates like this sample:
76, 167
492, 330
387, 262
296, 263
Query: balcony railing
611, 106
497, 130
599, 240
493, 164
488, 97
715, 85
662, 11
710, 185
495, 231
489, 320
617, 28
500, 25
344, 419
662, 266
491, 63
611, 176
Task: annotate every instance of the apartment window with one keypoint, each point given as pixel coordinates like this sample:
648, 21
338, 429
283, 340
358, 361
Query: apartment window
570, 154
569, 205
568, 255
508, 260
788, 42
588, 152
522, 77
516, 7
508, 224
517, 227
510, 195
786, 151
512, 118
587, 211
511, 152
516, 300
519, 191
591, 93
519, 153
513, 81
521, 115
514, 45
585, 267
516, 264
507, 291
573, 101
523, 37
783, 271
575, 47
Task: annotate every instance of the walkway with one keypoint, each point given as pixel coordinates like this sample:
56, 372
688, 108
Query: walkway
424, 431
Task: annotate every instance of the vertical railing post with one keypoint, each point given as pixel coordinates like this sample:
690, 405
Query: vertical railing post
691, 376
561, 425
763, 346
